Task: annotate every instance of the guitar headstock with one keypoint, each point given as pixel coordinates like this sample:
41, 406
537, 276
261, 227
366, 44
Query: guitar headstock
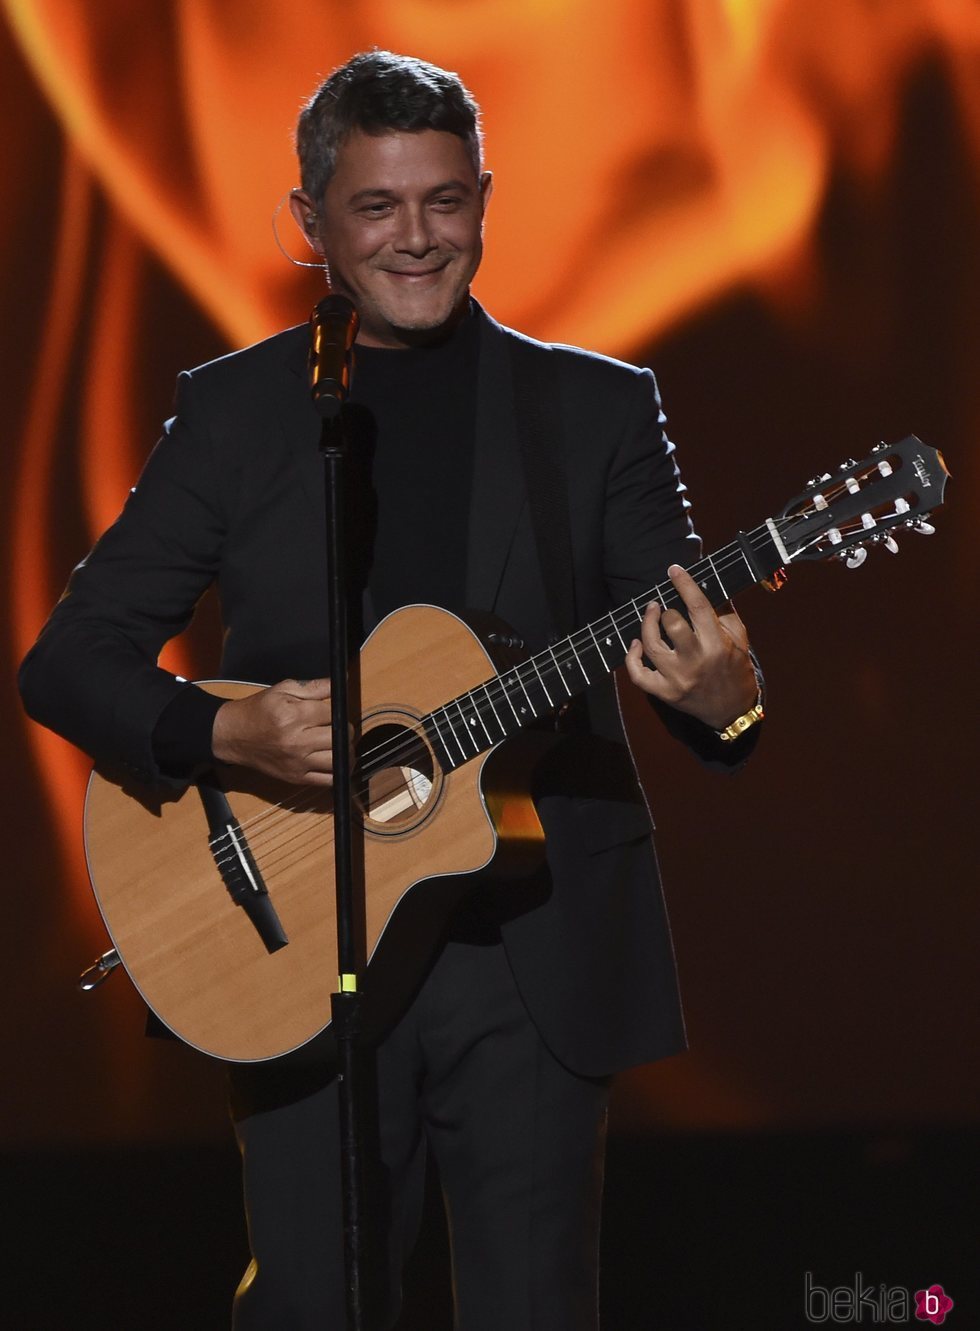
858, 506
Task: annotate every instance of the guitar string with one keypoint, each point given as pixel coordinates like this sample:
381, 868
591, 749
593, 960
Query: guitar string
722, 561
412, 743
725, 558
289, 844
394, 749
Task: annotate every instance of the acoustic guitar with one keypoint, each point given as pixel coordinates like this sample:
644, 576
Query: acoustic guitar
219, 899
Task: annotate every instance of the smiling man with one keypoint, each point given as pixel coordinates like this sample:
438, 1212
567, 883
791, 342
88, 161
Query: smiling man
400, 224
489, 469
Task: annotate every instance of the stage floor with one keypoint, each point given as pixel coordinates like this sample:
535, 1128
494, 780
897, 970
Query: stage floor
702, 1233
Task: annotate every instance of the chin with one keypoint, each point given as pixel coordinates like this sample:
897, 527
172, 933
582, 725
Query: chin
418, 318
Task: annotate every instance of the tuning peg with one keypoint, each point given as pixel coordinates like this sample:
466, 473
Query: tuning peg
878, 447
845, 466
891, 545
856, 557
922, 527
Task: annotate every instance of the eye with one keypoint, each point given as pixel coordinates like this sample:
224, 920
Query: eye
380, 209
446, 202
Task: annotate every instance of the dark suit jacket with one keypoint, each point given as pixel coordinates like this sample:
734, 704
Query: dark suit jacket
233, 493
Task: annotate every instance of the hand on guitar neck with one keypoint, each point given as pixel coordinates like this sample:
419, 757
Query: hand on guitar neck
705, 669
283, 731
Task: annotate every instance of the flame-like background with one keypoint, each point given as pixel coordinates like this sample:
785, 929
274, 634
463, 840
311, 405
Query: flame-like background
775, 203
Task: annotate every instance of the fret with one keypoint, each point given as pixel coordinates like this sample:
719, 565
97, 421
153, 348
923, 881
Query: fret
533, 662
743, 550
612, 620
503, 731
724, 593
578, 659
466, 727
602, 656
477, 716
551, 653
436, 740
506, 692
520, 679
452, 730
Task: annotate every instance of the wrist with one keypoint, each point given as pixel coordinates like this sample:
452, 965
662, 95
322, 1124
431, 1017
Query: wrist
743, 722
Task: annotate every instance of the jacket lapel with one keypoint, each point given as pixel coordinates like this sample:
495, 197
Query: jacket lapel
300, 423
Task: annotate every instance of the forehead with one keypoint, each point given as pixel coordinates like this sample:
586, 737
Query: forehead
399, 162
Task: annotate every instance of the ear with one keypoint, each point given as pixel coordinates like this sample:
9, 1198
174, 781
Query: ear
486, 189
305, 216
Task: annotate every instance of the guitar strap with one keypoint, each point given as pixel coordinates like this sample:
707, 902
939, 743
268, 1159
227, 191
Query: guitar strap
538, 402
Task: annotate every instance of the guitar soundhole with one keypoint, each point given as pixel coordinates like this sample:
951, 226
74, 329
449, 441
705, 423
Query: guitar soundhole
395, 776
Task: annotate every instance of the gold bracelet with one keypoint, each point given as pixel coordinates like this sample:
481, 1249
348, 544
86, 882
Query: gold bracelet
742, 723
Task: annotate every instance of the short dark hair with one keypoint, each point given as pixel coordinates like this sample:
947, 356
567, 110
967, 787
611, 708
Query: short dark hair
376, 92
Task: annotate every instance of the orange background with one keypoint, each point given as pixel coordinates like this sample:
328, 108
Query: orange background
773, 202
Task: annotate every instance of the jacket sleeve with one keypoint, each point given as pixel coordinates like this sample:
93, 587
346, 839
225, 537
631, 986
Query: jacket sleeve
92, 676
647, 528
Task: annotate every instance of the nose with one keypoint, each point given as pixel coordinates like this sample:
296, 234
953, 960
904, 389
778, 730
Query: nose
414, 234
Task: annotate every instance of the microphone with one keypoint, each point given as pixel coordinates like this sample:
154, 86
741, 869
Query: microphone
333, 327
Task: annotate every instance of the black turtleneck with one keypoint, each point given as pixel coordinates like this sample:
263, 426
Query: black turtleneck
412, 415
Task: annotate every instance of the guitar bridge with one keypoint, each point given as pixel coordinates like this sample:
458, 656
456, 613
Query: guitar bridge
236, 864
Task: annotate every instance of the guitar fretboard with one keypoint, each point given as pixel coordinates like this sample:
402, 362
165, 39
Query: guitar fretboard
505, 703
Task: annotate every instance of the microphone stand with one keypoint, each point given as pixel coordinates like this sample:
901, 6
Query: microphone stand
345, 1003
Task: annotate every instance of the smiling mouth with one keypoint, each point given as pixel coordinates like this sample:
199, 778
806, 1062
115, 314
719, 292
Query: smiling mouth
412, 273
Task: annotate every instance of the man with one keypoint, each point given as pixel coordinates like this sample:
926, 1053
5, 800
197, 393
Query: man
500, 1063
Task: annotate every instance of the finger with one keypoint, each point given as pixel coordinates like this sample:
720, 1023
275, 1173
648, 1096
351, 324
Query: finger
305, 688
652, 639
319, 760
698, 606
650, 681
731, 623
315, 737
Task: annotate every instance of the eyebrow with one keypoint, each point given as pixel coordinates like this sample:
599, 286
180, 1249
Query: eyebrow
380, 193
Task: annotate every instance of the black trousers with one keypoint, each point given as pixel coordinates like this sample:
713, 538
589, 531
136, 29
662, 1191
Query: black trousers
518, 1141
